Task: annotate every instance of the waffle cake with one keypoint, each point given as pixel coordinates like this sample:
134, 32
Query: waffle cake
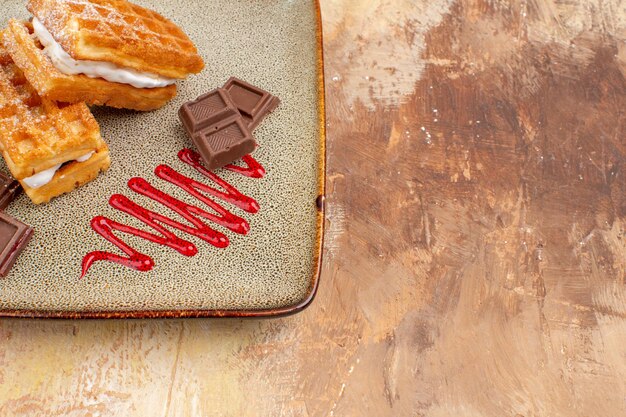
50, 148
107, 52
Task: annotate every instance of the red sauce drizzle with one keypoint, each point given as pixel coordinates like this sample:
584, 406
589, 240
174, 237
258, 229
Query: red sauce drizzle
106, 227
252, 170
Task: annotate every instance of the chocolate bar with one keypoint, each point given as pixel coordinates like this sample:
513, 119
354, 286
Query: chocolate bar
225, 143
252, 102
9, 189
220, 122
207, 110
14, 235
216, 128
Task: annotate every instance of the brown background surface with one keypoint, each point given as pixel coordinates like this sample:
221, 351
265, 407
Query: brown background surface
475, 254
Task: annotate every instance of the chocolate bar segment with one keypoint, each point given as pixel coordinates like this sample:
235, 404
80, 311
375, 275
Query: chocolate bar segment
224, 142
9, 189
216, 128
252, 102
207, 110
220, 122
14, 236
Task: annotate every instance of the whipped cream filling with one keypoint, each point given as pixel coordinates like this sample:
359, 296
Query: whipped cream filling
95, 69
85, 157
44, 177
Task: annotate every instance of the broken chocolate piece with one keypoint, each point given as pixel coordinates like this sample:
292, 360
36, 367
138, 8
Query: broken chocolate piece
216, 128
9, 189
252, 102
207, 110
225, 143
14, 235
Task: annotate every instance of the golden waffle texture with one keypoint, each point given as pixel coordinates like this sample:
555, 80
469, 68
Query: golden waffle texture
27, 52
119, 32
71, 176
37, 134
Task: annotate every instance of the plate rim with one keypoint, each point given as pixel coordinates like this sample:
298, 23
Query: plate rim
296, 307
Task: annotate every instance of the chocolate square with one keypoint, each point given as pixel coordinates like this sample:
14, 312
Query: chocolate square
9, 189
14, 235
220, 122
224, 142
207, 110
216, 128
252, 102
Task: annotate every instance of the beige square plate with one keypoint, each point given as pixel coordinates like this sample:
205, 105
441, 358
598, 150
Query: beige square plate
274, 269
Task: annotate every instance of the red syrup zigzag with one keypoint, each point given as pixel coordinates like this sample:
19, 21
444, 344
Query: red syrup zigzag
106, 227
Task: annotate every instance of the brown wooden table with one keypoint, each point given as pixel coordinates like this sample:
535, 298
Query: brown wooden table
475, 255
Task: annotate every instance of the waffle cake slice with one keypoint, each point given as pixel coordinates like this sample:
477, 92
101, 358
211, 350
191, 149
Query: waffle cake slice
50, 148
119, 32
108, 52
28, 52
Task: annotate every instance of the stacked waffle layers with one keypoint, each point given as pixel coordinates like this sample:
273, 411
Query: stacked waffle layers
50, 148
28, 53
121, 33
118, 40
